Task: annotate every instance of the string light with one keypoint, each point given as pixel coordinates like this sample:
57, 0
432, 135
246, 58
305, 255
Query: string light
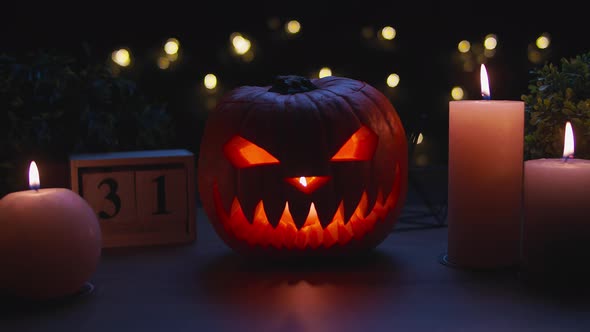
122, 57
171, 47
543, 41
324, 72
388, 33
240, 43
210, 81
457, 93
293, 27
392, 80
490, 42
464, 46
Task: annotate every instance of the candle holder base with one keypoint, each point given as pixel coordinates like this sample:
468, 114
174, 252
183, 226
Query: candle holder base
87, 289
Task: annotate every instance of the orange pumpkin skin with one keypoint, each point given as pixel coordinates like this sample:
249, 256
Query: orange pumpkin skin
303, 167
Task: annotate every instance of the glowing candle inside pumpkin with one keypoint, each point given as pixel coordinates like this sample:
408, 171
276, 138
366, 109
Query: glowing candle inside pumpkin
50, 241
556, 230
485, 180
303, 181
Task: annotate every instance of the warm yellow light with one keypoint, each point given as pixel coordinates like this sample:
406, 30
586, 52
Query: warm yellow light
420, 139
535, 56
324, 72
210, 81
485, 82
388, 33
122, 57
293, 26
248, 57
34, 181
392, 80
568, 144
543, 42
457, 93
303, 181
464, 46
490, 42
172, 57
241, 44
163, 63
172, 45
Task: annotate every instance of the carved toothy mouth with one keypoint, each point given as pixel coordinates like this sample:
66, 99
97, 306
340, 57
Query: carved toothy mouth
286, 235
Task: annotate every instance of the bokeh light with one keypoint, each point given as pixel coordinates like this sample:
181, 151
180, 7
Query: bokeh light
171, 47
210, 81
490, 42
388, 33
464, 46
172, 57
240, 43
325, 72
122, 57
457, 93
392, 80
293, 27
420, 139
543, 41
163, 63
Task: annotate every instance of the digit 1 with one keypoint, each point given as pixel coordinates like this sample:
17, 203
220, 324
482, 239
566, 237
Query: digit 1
161, 181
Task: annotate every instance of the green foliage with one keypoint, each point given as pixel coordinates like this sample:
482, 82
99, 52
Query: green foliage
54, 105
558, 94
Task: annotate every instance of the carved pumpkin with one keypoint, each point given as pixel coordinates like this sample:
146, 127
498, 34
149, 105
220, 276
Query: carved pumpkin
303, 166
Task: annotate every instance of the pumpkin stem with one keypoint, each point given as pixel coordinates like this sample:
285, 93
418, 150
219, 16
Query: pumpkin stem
291, 84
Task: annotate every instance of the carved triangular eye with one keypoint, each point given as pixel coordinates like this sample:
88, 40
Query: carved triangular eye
242, 153
360, 146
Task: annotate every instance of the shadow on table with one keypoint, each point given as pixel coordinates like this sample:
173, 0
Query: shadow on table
311, 285
13, 307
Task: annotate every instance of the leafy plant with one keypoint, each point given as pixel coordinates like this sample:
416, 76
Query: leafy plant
557, 94
53, 105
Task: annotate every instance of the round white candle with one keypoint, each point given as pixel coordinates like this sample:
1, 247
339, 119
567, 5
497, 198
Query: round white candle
50, 243
485, 182
556, 230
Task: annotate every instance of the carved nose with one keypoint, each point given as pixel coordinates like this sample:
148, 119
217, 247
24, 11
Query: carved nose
308, 184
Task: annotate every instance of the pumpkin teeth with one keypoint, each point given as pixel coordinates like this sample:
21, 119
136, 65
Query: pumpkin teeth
259, 232
274, 215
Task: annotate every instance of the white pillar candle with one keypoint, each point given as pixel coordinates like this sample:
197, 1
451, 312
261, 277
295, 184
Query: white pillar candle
556, 230
485, 181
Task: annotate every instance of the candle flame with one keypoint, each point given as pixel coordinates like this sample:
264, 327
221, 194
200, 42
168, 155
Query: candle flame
485, 83
34, 181
303, 181
568, 144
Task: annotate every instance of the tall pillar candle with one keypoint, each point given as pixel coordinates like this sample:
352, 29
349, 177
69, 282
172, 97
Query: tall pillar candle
556, 230
485, 181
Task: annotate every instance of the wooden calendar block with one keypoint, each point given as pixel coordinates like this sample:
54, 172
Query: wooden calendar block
111, 195
161, 199
140, 197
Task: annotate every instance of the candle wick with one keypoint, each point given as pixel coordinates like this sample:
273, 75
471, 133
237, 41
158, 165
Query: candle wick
486, 97
566, 158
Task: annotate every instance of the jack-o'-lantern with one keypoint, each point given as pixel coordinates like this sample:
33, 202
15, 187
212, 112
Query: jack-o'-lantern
303, 166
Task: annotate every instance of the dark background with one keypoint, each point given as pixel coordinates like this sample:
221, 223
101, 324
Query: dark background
424, 52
